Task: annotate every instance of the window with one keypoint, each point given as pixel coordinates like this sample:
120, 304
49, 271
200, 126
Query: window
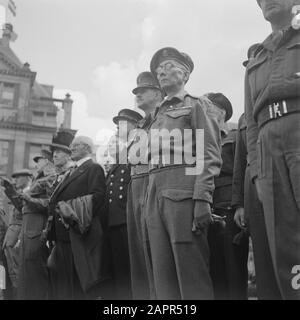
4, 156
7, 94
38, 118
51, 119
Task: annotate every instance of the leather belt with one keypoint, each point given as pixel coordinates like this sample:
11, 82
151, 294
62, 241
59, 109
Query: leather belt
277, 110
164, 166
140, 169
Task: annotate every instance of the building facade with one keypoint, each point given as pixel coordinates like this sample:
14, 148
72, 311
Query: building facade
29, 115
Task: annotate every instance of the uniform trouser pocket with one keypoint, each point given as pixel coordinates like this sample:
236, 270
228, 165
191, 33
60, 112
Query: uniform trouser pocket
177, 207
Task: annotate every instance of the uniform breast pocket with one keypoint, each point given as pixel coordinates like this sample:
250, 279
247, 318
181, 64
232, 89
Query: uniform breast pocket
258, 74
292, 62
178, 118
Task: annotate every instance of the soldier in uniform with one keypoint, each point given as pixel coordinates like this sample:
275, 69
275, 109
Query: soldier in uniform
117, 182
249, 213
33, 276
11, 241
178, 208
148, 96
272, 105
228, 260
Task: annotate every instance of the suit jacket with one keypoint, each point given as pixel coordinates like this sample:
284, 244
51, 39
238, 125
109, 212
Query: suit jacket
88, 250
116, 194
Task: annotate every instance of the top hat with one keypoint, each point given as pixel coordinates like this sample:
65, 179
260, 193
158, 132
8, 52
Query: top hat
127, 115
146, 80
222, 102
171, 54
62, 140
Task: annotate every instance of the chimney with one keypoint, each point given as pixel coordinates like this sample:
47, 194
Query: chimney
67, 107
8, 34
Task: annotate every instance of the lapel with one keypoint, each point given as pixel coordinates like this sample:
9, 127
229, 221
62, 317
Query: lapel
78, 172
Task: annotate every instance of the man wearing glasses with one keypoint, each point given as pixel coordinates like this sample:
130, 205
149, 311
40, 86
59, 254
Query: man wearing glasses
178, 208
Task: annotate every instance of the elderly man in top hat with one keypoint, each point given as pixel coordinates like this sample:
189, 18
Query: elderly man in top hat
33, 276
76, 259
148, 95
272, 108
181, 181
228, 244
11, 241
116, 199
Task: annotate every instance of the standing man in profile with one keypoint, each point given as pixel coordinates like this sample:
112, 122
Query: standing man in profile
116, 200
33, 276
179, 198
148, 96
272, 107
77, 258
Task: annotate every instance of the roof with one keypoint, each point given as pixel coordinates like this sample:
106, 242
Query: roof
7, 51
38, 89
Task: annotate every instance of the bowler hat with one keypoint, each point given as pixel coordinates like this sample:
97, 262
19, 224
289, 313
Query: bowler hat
146, 80
222, 102
169, 53
62, 140
22, 172
127, 115
45, 154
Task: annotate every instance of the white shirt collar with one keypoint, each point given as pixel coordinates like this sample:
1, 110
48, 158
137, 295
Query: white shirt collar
82, 161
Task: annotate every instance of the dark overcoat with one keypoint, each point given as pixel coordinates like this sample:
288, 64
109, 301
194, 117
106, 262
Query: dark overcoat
88, 250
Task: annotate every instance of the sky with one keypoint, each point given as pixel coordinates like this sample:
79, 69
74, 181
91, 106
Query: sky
94, 49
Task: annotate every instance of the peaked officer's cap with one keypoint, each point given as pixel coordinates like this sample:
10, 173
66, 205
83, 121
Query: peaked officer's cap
222, 102
127, 115
146, 80
170, 53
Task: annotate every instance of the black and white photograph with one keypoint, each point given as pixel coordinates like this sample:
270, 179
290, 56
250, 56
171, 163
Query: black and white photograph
149, 152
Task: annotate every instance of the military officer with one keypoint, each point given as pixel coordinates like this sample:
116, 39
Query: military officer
148, 96
178, 208
116, 199
12, 241
33, 276
272, 105
249, 213
228, 260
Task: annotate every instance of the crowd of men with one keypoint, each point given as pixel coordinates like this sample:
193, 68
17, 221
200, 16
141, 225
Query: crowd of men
159, 229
